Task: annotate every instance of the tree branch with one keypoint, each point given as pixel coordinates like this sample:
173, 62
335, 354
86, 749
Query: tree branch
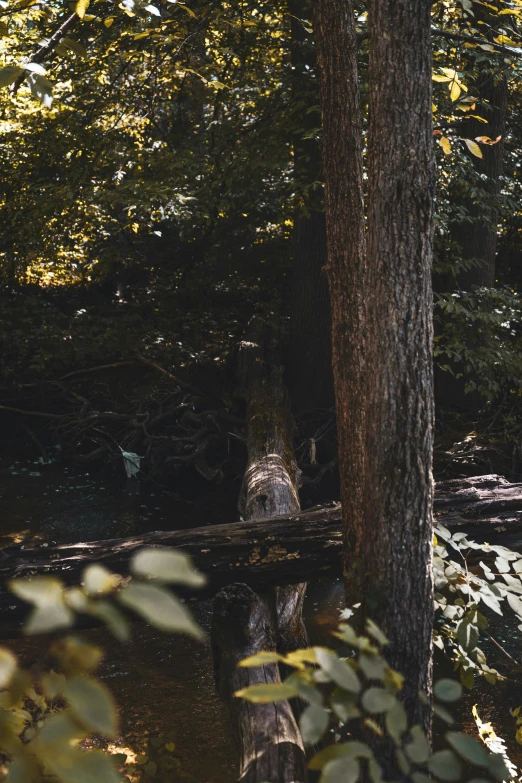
48, 47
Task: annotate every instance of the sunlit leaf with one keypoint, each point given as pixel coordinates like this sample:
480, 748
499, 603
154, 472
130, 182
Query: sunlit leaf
474, 148
167, 565
81, 7
445, 143
98, 580
260, 658
8, 666
265, 693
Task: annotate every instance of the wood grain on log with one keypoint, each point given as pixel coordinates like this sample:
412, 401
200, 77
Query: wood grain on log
245, 621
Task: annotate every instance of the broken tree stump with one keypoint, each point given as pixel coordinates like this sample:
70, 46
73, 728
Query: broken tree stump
245, 622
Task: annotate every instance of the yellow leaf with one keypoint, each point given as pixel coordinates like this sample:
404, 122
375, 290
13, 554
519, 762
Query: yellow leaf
81, 7
504, 39
109, 22
474, 148
455, 91
445, 144
438, 78
187, 9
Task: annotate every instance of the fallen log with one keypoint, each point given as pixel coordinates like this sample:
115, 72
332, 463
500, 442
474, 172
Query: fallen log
245, 621
278, 550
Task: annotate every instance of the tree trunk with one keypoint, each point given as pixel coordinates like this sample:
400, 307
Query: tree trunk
310, 354
245, 622
267, 735
382, 327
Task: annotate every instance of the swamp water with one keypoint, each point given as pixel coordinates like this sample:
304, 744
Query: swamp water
163, 684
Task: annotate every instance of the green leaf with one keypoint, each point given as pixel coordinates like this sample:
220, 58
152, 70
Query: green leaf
159, 608
260, 658
467, 635
378, 700
305, 690
81, 7
497, 767
448, 690
265, 693
9, 74
344, 705
445, 765
443, 714
313, 723
167, 565
345, 750
92, 767
74, 47
340, 672
467, 677
92, 705
469, 748
373, 666
396, 721
418, 749
340, 771
113, 618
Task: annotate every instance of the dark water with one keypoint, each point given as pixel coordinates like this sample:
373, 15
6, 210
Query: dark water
163, 684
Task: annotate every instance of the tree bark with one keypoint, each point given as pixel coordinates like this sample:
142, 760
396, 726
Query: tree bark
266, 734
382, 327
245, 622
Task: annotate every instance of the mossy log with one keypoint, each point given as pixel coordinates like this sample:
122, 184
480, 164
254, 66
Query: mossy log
245, 621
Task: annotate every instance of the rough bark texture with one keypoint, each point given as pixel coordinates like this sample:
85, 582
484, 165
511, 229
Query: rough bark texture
382, 327
277, 550
245, 622
393, 534
310, 353
266, 734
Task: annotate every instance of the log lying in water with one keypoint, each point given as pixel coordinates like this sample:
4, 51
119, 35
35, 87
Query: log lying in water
245, 621
279, 550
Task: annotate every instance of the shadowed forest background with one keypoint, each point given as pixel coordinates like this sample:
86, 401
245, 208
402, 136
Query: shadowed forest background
161, 197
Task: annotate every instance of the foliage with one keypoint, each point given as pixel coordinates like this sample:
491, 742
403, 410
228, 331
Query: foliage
479, 334
44, 717
357, 695
365, 700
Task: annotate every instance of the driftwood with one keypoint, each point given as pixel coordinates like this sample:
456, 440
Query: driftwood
246, 622
278, 550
